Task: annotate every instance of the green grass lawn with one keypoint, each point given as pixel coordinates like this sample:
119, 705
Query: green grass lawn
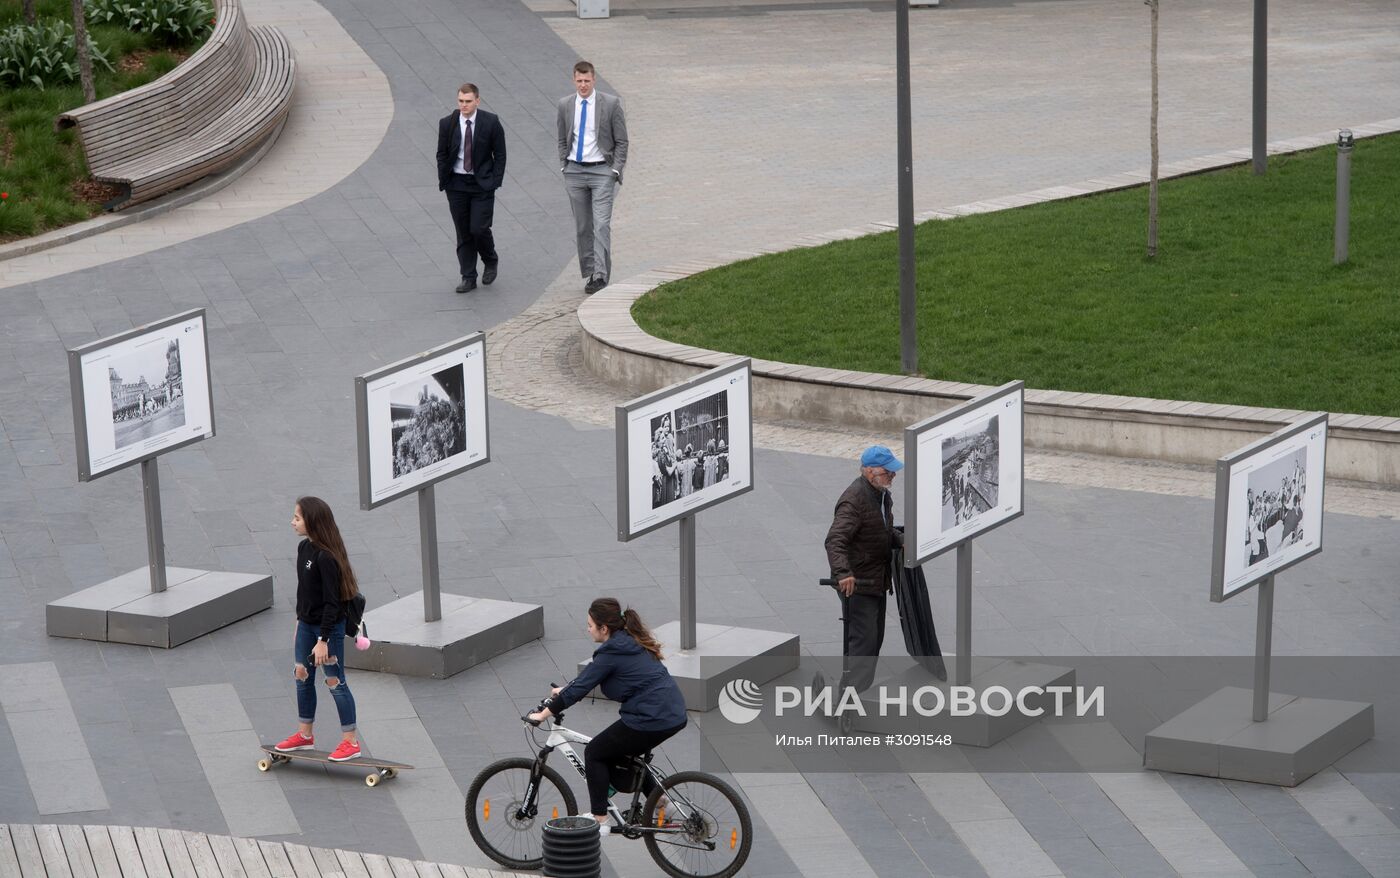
41, 170
1242, 304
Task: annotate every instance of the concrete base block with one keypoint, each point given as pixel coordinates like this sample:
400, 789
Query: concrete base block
471, 631
978, 729
1218, 737
723, 653
125, 610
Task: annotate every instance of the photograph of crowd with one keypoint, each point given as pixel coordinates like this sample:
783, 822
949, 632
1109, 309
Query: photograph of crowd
428, 417
689, 449
1274, 506
971, 472
147, 392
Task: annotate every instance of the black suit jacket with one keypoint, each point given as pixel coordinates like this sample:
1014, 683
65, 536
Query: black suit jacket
488, 149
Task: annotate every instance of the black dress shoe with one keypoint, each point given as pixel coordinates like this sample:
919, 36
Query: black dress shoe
467, 285
594, 286
489, 273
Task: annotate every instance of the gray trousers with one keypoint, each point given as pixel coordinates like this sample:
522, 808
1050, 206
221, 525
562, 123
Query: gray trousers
591, 197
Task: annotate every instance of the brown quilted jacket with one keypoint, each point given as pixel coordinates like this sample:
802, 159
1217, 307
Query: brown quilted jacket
859, 541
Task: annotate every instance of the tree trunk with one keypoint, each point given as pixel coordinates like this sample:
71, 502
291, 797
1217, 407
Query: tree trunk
80, 46
1152, 185
29, 15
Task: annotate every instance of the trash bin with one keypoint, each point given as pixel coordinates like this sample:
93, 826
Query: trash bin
573, 848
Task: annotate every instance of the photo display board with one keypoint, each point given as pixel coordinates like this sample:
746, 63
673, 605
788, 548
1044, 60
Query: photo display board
1268, 506
964, 472
683, 448
422, 419
141, 393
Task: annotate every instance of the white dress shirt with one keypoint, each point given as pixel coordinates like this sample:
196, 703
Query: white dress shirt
459, 167
591, 152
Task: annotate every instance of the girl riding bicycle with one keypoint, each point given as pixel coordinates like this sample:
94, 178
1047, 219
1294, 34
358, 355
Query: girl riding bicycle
628, 668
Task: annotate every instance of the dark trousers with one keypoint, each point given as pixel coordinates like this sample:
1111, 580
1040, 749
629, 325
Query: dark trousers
472, 211
863, 633
613, 745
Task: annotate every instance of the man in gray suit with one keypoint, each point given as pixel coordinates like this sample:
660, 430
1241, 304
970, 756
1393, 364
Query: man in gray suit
592, 153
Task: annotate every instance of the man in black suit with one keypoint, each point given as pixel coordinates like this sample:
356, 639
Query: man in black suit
470, 177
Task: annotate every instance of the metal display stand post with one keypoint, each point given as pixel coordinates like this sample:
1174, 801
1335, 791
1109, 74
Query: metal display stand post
155, 529
1263, 649
963, 674
687, 582
428, 538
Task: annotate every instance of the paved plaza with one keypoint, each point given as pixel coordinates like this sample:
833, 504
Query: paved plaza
753, 124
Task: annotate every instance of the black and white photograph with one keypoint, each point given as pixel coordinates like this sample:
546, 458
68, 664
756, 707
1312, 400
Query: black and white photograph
148, 396
964, 472
422, 419
689, 449
140, 393
428, 420
683, 448
1274, 504
1268, 506
971, 470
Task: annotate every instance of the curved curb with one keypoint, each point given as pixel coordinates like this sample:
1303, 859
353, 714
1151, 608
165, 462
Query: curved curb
205, 187
617, 350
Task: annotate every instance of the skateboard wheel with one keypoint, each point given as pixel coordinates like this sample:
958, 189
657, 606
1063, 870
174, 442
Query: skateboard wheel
391, 773
264, 765
371, 779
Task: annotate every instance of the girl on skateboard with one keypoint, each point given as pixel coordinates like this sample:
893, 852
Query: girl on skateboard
325, 581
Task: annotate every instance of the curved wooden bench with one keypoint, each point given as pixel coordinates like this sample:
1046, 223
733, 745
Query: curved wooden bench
200, 118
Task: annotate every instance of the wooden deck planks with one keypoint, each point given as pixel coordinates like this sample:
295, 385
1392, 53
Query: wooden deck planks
252, 858
227, 857
9, 860
75, 847
128, 853
327, 863
104, 856
152, 852
378, 866
302, 862
352, 864
93, 851
51, 849
176, 854
31, 861
275, 855
201, 854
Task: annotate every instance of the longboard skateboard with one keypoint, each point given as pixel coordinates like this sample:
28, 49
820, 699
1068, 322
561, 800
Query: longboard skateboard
381, 769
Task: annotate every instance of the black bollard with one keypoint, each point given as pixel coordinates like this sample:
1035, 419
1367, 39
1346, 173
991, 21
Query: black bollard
573, 848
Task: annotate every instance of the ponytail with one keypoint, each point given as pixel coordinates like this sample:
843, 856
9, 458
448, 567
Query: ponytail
608, 613
641, 633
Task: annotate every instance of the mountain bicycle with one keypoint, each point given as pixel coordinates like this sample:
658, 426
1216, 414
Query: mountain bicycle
694, 824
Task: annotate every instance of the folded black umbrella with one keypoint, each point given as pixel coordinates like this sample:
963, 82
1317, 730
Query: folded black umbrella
916, 616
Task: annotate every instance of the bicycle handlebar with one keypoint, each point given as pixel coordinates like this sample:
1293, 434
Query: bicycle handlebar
548, 701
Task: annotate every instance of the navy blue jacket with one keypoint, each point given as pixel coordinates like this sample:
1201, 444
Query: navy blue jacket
651, 700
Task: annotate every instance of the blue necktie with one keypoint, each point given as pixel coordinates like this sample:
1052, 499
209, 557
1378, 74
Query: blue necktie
582, 127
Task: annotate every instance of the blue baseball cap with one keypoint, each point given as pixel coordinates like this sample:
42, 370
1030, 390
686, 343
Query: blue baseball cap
879, 455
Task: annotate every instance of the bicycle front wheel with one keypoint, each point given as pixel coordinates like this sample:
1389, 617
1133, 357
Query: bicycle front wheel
702, 831
498, 819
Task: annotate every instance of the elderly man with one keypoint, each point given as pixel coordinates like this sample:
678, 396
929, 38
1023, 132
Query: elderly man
858, 547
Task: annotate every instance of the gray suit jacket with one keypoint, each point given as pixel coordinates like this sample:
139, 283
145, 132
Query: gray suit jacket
612, 130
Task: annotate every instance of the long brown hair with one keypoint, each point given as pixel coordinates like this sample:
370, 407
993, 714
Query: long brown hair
608, 613
321, 530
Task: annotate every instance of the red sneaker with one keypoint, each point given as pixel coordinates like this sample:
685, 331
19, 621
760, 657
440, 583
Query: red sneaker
346, 751
296, 741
